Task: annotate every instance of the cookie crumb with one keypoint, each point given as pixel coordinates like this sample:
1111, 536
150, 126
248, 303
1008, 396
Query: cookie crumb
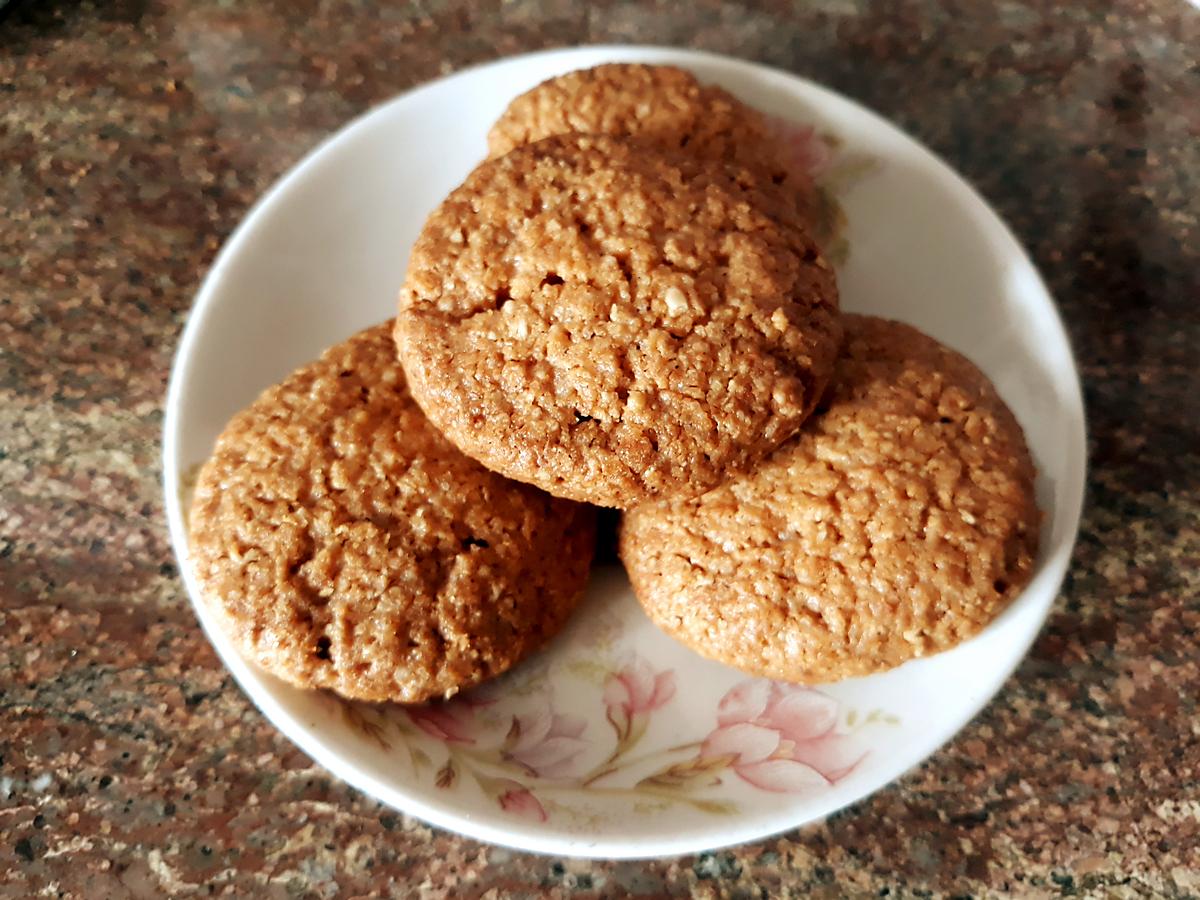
676, 301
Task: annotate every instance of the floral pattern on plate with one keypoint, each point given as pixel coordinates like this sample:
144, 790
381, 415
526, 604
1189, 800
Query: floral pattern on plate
821, 162
521, 750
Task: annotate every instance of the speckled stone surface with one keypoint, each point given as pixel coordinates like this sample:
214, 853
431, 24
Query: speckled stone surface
133, 136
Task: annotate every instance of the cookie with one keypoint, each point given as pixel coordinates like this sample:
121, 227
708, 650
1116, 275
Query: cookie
344, 544
663, 107
613, 324
898, 523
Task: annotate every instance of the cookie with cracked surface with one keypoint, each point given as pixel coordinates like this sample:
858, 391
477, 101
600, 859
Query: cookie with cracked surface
663, 107
343, 543
614, 324
899, 522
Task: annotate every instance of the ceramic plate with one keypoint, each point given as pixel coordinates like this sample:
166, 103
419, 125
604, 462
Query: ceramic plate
616, 741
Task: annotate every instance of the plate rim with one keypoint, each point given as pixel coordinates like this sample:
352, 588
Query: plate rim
518, 835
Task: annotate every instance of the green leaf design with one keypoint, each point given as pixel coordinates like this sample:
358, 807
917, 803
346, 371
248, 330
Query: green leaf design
620, 722
689, 775
365, 724
638, 723
848, 170
874, 717
716, 807
419, 757
447, 775
652, 806
588, 670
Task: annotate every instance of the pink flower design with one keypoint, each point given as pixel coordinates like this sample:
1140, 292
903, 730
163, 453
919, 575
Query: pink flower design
546, 743
631, 694
636, 689
808, 152
780, 737
450, 722
518, 800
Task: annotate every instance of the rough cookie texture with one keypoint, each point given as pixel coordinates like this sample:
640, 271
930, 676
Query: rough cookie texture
898, 523
344, 544
613, 324
663, 107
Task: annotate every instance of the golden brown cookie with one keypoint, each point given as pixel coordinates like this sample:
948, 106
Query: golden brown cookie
612, 324
344, 544
898, 523
663, 107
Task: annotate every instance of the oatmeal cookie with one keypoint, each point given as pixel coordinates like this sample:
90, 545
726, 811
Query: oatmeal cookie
614, 324
343, 543
663, 107
898, 523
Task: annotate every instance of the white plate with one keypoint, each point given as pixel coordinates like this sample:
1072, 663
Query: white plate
628, 745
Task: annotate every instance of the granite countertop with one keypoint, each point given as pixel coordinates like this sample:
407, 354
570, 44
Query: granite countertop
133, 136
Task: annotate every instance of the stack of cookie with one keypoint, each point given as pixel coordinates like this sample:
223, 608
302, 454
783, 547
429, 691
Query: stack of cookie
624, 306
